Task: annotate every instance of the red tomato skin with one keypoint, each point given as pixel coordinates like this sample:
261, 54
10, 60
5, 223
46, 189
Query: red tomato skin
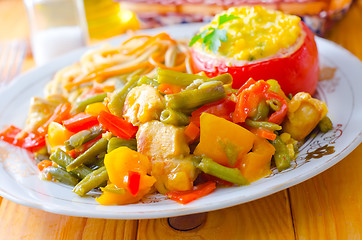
297, 72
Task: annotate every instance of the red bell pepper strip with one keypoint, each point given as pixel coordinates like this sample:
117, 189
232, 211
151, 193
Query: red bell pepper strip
246, 85
278, 116
263, 133
79, 122
61, 112
198, 191
222, 108
117, 126
248, 99
29, 141
133, 182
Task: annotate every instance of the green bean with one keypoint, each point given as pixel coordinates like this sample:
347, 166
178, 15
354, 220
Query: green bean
89, 156
82, 137
177, 78
81, 105
92, 180
274, 104
148, 81
263, 124
225, 78
188, 99
233, 175
116, 142
116, 102
61, 175
281, 155
262, 111
325, 124
113, 190
170, 116
63, 159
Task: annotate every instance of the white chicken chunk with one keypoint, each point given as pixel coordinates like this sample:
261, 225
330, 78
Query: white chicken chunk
161, 141
143, 104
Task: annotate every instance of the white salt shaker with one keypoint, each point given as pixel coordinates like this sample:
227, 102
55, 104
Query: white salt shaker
57, 26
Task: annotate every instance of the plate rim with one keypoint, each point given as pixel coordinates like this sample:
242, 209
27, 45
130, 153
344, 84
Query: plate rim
183, 211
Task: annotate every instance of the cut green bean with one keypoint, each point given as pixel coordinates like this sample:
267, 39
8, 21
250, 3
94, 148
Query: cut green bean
116, 142
170, 116
148, 81
274, 104
225, 78
89, 156
92, 180
63, 159
61, 175
113, 190
116, 102
325, 124
82, 137
281, 155
177, 78
233, 175
262, 112
263, 124
81, 105
188, 99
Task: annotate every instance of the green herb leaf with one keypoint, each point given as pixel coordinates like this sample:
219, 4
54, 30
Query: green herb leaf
226, 18
198, 37
213, 39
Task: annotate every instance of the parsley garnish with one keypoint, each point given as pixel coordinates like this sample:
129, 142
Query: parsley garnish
212, 37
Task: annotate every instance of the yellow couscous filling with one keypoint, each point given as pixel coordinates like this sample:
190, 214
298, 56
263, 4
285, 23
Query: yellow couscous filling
256, 33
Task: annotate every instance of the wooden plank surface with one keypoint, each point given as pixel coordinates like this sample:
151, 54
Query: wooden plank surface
325, 207
329, 206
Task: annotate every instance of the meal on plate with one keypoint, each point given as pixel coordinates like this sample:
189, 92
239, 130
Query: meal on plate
179, 118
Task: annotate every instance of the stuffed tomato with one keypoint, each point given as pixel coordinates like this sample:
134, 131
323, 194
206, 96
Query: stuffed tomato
260, 44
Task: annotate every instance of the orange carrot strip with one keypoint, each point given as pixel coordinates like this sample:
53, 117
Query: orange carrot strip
192, 132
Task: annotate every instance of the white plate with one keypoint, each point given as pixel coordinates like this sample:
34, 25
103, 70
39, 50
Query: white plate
19, 180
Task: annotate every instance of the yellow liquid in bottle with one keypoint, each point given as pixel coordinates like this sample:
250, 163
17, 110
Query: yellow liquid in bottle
106, 19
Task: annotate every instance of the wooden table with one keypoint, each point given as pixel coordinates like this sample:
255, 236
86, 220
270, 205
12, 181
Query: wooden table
328, 206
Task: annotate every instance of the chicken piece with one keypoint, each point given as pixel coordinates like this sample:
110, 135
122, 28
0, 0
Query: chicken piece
41, 109
304, 113
176, 174
143, 104
161, 141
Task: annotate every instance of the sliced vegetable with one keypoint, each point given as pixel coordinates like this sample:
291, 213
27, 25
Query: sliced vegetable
82, 137
206, 93
214, 130
29, 141
197, 192
61, 112
222, 108
44, 164
133, 182
95, 108
281, 157
92, 180
57, 135
81, 105
170, 116
116, 142
90, 155
79, 122
116, 125
56, 173
192, 132
233, 175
